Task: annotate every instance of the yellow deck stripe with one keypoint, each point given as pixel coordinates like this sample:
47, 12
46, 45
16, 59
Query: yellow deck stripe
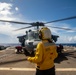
33, 69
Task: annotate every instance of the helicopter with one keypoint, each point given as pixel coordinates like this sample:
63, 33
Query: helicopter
31, 39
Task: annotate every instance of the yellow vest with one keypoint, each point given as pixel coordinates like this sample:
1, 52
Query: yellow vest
45, 55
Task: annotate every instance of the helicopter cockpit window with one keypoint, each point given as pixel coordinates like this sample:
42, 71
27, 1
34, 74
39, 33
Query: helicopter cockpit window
37, 36
30, 35
33, 35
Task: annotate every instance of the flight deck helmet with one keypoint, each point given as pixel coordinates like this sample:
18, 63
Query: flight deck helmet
45, 33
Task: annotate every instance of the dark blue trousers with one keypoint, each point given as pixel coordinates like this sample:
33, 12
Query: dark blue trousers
50, 71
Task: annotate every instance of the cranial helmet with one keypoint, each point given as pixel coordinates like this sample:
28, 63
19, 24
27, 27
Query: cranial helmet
45, 33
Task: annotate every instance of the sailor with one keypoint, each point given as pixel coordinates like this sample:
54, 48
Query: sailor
45, 54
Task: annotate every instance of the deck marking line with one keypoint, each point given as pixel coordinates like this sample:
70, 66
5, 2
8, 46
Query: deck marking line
18, 69
33, 69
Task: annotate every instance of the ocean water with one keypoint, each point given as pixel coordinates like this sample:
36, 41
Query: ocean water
18, 44
10, 44
68, 44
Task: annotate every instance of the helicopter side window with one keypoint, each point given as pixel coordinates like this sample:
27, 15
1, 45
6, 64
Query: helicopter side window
30, 35
36, 36
33, 35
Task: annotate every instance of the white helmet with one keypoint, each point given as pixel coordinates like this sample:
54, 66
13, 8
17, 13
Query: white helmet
45, 33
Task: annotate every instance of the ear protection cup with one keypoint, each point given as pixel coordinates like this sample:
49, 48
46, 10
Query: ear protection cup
40, 35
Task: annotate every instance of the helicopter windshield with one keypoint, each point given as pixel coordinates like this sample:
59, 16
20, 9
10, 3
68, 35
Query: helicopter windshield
33, 35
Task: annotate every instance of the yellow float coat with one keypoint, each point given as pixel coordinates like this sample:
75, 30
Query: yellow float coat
45, 55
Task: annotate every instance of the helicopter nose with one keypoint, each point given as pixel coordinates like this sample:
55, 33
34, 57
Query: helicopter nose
30, 43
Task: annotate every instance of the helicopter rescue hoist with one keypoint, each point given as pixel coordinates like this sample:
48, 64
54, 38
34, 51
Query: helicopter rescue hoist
31, 39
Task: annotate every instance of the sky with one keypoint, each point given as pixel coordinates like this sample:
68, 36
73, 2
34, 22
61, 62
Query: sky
34, 11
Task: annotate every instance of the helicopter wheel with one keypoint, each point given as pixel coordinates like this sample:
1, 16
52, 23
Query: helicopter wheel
26, 52
32, 54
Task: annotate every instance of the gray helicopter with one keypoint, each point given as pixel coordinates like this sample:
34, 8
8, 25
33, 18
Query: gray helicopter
31, 39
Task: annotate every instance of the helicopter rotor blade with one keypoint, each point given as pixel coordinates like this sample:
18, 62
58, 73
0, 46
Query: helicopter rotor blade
60, 28
15, 22
23, 28
40, 23
73, 17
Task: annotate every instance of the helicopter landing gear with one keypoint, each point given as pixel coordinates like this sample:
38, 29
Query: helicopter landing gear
28, 53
